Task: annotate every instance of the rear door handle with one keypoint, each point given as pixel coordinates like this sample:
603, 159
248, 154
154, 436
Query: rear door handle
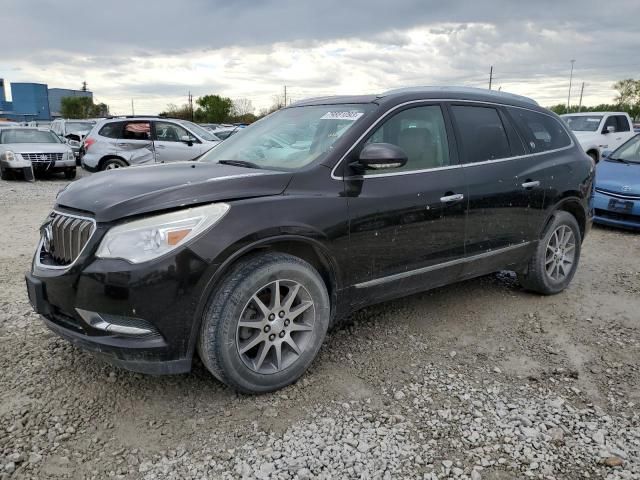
530, 185
456, 197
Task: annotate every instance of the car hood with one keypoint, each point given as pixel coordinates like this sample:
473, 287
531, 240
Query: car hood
36, 147
618, 177
125, 192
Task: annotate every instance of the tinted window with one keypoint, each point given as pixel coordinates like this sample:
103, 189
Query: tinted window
137, 131
619, 122
111, 130
541, 132
482, 134
421, 133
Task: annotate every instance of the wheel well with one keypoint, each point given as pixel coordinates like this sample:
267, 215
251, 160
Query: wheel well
575, 208
595, 153
106, 158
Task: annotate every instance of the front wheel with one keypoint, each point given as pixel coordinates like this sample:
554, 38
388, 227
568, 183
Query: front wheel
70, 174
6, 174
555, 261
114, 163
264, 323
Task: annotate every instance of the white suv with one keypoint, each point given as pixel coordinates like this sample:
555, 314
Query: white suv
599, 131
120, 142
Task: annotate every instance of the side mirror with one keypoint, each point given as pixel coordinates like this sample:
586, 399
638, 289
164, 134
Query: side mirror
377, 156
187, 139
605, 153
609, 129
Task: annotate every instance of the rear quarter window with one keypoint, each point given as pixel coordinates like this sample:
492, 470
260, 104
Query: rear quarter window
541, 132
111, 130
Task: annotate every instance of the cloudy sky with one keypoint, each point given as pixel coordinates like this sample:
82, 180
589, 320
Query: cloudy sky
154, 52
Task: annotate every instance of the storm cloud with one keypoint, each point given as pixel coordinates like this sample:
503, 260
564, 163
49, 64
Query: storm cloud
155, 52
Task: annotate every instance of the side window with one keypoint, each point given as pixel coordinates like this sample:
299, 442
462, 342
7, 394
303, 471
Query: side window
610, 122
170, 132
541, 132
622, 124
137, 131
482, 134
111, 130
421, 133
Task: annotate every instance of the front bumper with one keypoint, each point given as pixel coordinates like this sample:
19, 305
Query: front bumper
616, 211
149, 310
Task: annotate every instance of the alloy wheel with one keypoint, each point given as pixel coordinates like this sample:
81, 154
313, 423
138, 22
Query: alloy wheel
275, 326
560, 253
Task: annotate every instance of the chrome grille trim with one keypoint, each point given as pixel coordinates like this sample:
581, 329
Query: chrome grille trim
618, 195
70, 235
36, 157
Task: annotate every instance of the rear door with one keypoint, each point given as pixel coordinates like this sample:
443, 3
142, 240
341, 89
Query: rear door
407, 225
504, 188
171, 144
135, 144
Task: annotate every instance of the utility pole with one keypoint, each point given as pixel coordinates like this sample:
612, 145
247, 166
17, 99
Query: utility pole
490, 76
190, 105
581, 92
285, 95
570, 79
133, 112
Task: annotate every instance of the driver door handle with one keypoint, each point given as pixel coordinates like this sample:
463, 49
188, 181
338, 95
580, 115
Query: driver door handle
531, 184
456, 197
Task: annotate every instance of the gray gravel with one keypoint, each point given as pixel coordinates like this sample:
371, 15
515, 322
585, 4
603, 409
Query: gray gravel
478, 381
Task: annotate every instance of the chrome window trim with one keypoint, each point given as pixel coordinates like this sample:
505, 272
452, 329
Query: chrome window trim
64, 267
447, 167
438, 266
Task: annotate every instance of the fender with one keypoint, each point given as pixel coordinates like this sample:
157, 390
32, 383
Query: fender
223, 267
569, 197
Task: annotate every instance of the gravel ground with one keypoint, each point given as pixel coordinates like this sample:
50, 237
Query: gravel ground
478, 380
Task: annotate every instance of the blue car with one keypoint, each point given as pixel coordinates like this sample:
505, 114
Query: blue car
616, 198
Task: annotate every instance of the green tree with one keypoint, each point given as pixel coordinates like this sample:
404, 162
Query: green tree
82, 107
213, 109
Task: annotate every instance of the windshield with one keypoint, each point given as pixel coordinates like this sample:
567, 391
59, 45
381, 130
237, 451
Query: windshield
291, 138
583, 123
22, 135
79, 126
203, 133
629, 152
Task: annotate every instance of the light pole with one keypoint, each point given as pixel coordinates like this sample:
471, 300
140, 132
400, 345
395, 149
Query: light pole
570, 79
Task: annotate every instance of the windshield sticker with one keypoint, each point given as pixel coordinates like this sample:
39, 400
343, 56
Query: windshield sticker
350, 116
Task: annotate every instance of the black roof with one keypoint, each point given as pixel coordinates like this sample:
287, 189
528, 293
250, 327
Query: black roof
416, 93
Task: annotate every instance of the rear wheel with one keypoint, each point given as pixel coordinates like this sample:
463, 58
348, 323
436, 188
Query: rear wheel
594, 156
553, 265
113, 163
264, 323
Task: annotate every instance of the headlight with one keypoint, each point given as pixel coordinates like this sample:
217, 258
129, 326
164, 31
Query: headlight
143, 240
9, 156
70, 155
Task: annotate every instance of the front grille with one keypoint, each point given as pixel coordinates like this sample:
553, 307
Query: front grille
41, 158
625, 196
64, 237
625, 217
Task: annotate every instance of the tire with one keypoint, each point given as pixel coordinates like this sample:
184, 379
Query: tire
594, 156
70, 174
232, 353
114, 163
548, 271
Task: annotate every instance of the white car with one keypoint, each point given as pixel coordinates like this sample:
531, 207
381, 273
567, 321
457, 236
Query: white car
599, 131
33, 150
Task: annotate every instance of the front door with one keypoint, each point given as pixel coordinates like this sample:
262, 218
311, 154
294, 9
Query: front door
171, 144
135, 144
407, 225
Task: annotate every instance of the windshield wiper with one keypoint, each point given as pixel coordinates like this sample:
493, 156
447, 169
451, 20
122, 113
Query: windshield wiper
618, 159
239, 163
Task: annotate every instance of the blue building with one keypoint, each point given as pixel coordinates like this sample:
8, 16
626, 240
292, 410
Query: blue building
57, 94
30, 101
6, 108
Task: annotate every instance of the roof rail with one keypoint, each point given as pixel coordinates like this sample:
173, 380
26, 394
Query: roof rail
472, 90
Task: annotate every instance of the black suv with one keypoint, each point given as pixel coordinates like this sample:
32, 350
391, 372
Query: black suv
322, 208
